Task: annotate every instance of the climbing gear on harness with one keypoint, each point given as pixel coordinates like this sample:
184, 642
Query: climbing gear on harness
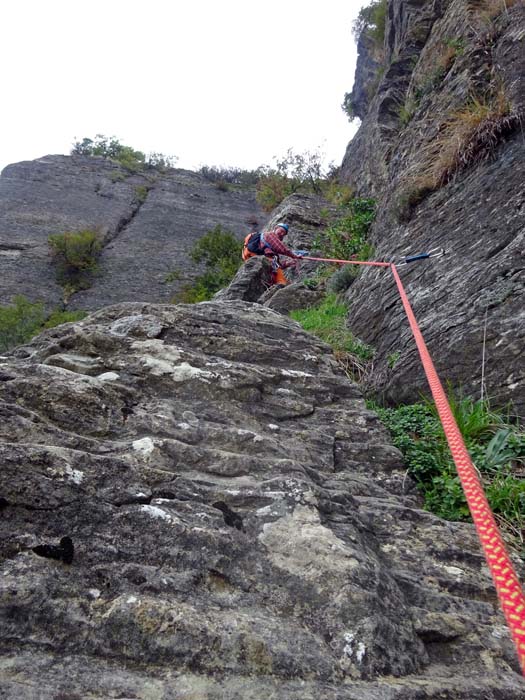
303, 253
434, 253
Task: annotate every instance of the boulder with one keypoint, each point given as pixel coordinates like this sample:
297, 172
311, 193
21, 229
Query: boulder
196, 503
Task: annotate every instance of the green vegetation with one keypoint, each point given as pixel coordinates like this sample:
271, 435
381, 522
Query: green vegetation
393, 359
372, 20
348, 107
220, 252
75, 254
407, 111
328, 322
347, 237
173, 276
298, 172
141, 193
341, 279
110, 147
295, 172
231, 176
369, 24
497, 448
56, 318
23, 319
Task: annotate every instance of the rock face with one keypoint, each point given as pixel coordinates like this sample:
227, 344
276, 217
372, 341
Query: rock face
439, 57
148, 222
196, 504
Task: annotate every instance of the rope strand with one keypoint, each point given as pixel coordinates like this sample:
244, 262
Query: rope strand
506, 582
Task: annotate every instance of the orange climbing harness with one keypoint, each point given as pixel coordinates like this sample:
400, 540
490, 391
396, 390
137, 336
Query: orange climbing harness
505, 579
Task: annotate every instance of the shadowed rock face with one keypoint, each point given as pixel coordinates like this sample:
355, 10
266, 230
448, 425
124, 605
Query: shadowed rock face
238, 523
477, 217
148, 222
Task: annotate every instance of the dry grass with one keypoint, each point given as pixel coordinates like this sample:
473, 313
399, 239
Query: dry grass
467, 136
470, 135
355, 368
489, 9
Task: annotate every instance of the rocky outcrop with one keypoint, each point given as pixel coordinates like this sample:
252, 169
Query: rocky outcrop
196, 503
440, 56
148, 221
307, 216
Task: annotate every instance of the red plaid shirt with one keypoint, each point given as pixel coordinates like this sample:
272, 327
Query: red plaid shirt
274, 245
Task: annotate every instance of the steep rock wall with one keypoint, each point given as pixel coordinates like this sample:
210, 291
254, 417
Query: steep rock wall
149, 223
195, 503
439, 58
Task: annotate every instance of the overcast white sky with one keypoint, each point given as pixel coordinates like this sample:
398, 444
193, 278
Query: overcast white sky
214, 82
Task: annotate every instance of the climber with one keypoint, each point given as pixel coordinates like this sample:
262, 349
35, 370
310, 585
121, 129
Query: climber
269, 243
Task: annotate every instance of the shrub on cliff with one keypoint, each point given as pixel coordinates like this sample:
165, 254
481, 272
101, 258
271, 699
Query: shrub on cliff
110, 147
75, 254
23, 319
19, 322
293, 172
372, 20
231, 176
347, 237
220, 252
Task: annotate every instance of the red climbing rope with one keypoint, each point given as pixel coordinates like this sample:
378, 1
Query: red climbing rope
505, 579
352, 262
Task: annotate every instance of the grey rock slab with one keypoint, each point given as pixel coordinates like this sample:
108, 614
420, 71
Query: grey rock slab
145, 237
241, 525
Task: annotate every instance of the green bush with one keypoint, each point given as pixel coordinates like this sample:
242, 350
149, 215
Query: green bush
372, 20
232, 176
294, 172
76, 254
56, 318
23, 319
349, 107
496, 446
141, 193
128, 157
342, 278
220, 252
348, 236
272, 188
19, 322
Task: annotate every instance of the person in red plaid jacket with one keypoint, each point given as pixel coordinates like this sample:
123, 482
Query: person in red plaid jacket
270, 243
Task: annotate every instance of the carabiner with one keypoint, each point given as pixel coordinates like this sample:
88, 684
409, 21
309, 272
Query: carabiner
433, 253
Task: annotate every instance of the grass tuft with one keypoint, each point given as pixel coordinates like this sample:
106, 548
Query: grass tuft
327, 321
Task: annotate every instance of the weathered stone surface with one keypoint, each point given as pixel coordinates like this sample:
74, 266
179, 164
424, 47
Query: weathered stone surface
242, 527
250, 283
478, 217
149, 223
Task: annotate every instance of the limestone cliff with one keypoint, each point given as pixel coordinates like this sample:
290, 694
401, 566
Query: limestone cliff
148, 222
441, 148
195, 504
